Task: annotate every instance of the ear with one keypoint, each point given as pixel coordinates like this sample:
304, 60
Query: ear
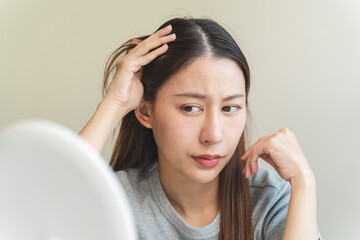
143, 114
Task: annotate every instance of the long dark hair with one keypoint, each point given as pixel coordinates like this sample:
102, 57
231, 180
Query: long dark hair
135, 146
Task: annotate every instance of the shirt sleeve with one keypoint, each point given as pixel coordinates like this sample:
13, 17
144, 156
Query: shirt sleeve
274, 222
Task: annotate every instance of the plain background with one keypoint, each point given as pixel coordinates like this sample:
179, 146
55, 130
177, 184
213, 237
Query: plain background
304, 60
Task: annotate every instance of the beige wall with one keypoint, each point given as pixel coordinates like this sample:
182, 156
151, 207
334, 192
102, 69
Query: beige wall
304, 57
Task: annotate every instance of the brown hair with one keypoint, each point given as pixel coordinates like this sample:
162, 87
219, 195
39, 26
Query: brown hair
135, 146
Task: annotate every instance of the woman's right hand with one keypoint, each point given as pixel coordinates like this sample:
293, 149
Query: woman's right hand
126, 90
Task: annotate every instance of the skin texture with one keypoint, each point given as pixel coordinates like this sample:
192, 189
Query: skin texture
208, 125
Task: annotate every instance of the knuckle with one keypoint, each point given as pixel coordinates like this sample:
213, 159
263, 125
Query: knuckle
268, 149
131, 49
276, 135
135, 41
272, 141
126, 64
284, 130
120, 61
147, 57
249, 150
161, 31
147, 44
288, 132
161, 40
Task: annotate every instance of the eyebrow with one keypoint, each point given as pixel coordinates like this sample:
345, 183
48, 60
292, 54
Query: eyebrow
201, 96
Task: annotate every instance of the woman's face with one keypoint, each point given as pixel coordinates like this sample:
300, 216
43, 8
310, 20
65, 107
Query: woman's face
200, 111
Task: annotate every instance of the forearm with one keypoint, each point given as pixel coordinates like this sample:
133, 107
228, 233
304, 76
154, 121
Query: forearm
101, 125
301, 221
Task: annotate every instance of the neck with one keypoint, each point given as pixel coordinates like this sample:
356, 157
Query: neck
190, 199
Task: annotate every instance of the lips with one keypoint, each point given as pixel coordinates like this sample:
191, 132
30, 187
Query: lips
207, 160
207, 157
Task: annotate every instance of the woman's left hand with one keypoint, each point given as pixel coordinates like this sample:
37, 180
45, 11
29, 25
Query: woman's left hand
282, 151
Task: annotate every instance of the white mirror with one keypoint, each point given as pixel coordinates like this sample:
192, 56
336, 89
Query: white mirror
54, 186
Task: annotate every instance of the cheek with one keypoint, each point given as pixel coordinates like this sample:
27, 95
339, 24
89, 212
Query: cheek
171, 133
234, 129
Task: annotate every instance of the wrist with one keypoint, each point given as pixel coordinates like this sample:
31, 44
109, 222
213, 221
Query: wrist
109, 108
102, 124
305, 178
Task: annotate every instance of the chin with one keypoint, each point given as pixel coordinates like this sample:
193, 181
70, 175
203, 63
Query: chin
203, 176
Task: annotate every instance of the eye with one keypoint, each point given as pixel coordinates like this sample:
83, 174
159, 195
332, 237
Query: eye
191, 109
230, 108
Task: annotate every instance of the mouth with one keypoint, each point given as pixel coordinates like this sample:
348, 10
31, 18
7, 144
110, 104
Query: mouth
207, 156
207, 160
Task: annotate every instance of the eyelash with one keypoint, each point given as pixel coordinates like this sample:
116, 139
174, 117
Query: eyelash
184, 108
236, 107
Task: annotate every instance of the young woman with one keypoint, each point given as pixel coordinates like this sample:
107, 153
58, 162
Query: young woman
181, 95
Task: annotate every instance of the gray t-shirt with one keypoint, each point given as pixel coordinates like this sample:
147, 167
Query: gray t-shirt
157, 219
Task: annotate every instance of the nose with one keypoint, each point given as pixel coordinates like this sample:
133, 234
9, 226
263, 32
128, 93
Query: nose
212, 129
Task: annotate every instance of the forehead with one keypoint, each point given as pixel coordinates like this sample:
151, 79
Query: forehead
208, 76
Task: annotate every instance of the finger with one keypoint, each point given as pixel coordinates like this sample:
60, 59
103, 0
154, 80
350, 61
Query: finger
244, 169
269, 160
144, 48
152, 55
254, 166
247, 167
253, 160
245, 156
129, 51
135, 41
249, 170
259, 141
160, 33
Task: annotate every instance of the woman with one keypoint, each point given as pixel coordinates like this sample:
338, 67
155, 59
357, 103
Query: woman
182, 96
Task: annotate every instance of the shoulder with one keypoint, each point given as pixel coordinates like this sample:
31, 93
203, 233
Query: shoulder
128, 176
132, 183
137, 182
